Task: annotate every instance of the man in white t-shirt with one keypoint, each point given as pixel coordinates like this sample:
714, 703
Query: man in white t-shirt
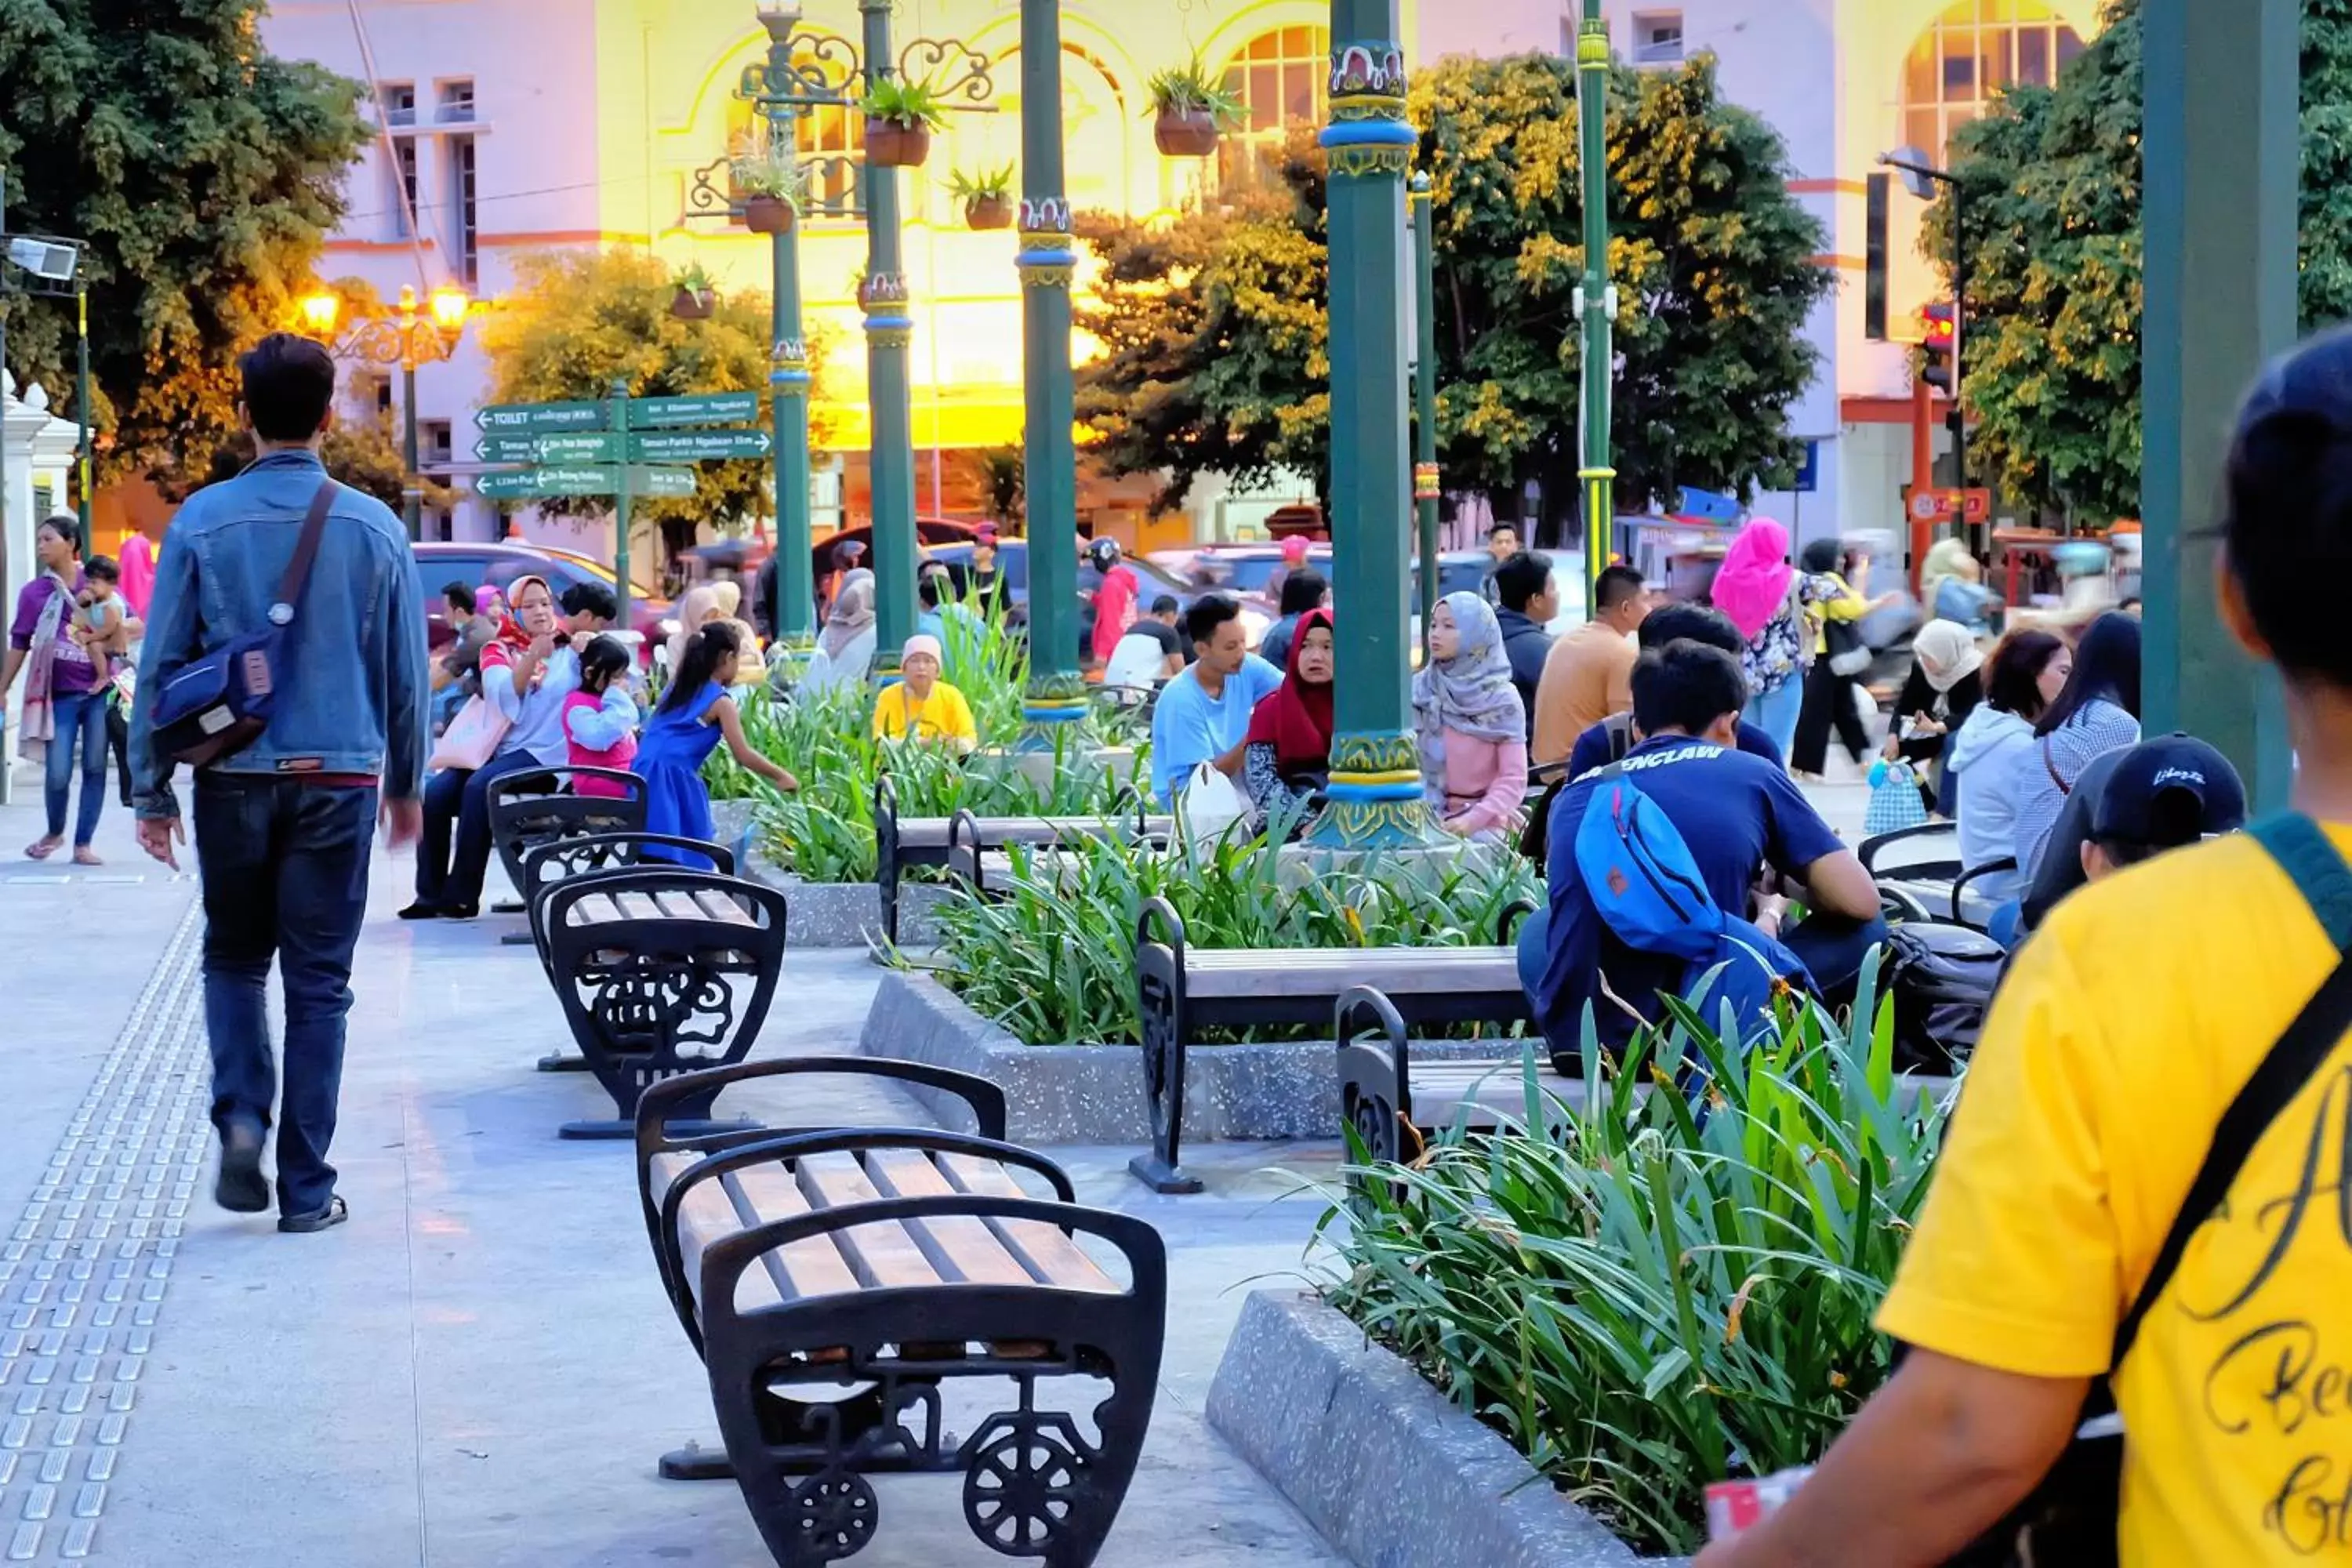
1151, 652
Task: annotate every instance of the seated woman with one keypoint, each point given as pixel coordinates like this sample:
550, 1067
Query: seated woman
2023, 676
1472, 725
1946, 683
750, 669
2097, 712
844, 648
1286, 759
922, 707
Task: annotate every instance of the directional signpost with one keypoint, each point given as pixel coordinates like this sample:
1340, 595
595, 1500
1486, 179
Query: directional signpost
625, 448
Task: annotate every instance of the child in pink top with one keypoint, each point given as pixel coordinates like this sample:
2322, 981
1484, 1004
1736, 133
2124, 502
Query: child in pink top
1472, 725
600, 721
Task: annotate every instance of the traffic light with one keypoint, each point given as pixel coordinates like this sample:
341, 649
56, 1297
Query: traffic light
1939, 345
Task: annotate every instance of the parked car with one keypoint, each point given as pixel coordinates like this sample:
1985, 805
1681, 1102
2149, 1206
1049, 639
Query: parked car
1153, 580
498, 565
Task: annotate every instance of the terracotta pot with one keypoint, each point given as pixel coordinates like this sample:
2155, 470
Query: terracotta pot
1185, 132
989, 212
895, 145
767, 214
690, 304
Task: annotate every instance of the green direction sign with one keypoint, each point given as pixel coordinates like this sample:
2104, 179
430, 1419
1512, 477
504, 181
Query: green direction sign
595, 448
711, 408
508, 449
535, 418
575, 480
698, 446
661, 484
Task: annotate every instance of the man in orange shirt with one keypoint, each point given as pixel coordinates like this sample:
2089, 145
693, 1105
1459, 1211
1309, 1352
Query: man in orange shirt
1589, 674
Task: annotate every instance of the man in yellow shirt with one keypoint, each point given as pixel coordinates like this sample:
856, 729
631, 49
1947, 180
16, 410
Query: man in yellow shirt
2136, 1017
921, 705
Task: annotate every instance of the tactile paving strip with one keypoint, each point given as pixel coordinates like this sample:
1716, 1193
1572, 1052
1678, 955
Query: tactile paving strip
82, 1273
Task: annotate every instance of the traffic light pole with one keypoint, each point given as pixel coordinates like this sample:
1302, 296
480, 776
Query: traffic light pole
1959, 423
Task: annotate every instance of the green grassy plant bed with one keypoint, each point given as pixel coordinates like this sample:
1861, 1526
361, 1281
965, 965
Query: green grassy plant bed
1644, 1297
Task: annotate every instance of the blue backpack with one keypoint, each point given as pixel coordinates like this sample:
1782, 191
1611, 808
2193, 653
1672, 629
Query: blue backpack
1648, 891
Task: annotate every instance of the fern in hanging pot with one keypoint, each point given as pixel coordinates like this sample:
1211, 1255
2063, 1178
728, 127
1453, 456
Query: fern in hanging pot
900, 116
696, 294
771, 186
987, 197
1190, 110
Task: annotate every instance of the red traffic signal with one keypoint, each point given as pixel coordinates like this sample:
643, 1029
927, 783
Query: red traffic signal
1940, 343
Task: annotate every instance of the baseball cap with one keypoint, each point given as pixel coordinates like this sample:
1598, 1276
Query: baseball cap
985, 534
1294, 549
2169, 792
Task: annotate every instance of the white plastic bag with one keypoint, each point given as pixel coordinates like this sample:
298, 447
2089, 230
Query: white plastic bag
1208, 803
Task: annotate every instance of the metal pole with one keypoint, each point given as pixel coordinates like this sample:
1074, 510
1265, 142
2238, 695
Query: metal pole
1375, 790
2220, 173
620, 427
788, 386
412, 497
1596, 298
1424, 394
1959, 425
81, 394
888, 330
1057, 692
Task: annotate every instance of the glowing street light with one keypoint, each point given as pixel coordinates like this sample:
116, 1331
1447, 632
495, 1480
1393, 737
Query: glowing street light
411, 333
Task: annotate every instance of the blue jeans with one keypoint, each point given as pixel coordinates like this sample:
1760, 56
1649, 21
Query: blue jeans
1776, 713
79, 718
457, 807
285, 869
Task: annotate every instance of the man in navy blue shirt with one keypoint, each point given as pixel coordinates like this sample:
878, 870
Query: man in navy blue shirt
1737, 813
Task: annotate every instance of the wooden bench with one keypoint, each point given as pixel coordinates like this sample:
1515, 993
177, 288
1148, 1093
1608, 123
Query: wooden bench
835, 1280
1180, 992
534, 806
661, 970
562, 859
1393, 1104
987, 870
901, 842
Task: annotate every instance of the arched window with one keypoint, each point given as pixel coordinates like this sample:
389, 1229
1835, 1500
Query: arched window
1973, 51
1282, 77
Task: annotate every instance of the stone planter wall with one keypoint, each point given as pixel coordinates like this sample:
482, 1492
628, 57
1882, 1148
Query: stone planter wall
848, 914
1094, 1093
1391, 1473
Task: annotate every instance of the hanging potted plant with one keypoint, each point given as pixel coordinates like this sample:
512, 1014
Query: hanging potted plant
1189, 109
900, 116
770, 185
696, 294
987, 197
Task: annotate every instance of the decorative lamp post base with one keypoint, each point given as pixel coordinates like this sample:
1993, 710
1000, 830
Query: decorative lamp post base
1050, 709
1375, 799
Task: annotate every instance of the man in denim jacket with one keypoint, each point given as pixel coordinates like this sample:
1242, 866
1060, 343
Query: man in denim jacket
282, 827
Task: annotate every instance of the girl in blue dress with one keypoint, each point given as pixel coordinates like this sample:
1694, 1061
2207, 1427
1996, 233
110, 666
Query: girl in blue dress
695, 713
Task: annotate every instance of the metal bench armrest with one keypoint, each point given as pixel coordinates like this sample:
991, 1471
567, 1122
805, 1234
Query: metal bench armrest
554, 778
1868, 853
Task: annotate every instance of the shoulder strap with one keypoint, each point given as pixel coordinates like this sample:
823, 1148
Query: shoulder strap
2051, 767
2303, 852
306, 550
1619, 727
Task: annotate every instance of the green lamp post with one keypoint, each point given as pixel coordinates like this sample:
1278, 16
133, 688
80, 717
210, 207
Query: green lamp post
1375, 790
1424, 393
1596, 298
1057, 697
890, 328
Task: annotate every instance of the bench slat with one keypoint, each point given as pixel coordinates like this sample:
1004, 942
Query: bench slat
879, 1253
811, 1267
596, 908
1049, 1254
678, 904
961, 1248
718, 905
1321, 972
637, 906
705, 1219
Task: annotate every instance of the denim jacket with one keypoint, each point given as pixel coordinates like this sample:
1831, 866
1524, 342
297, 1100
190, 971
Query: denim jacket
355, 693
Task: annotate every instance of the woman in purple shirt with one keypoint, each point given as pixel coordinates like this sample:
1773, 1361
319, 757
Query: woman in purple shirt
62, 704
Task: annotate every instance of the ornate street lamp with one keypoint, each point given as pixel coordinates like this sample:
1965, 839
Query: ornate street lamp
406, 337
804, 71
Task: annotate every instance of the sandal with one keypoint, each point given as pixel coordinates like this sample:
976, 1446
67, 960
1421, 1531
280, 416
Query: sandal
334, 1214
85, 856
41, 849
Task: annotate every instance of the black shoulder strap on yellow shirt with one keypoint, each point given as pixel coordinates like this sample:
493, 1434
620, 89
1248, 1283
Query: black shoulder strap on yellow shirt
2303, 852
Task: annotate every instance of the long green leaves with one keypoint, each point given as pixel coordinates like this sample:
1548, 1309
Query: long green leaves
1656, 1293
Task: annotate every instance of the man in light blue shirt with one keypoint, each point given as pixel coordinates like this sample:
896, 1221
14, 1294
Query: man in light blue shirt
1203, 714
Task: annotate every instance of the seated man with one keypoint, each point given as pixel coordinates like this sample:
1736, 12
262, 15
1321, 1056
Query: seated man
2131, 805
1151, 652
1606, 741
1203, 714
1736, 813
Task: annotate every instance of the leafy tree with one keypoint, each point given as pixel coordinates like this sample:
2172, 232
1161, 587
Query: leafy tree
202, 170
578, 320
1001, 476
1215, 333
364, 454
2051, 180
1216, 327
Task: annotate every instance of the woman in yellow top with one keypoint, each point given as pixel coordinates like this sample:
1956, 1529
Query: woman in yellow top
922, 705
1829, 691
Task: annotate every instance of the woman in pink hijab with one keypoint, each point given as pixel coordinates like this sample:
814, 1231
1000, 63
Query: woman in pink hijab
1764, 597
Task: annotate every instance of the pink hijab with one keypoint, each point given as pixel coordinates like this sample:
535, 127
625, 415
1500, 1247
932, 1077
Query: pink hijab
1754, 581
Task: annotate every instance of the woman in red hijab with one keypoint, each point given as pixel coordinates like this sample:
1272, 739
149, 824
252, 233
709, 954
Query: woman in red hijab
1286, 761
